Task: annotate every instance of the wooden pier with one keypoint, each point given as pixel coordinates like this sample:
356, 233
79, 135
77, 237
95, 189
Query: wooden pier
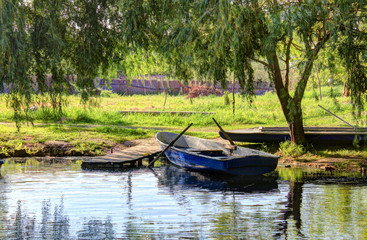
127, 158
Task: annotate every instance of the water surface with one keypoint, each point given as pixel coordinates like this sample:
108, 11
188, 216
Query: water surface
42, 201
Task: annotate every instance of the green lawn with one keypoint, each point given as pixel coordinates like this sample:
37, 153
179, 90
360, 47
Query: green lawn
99, 125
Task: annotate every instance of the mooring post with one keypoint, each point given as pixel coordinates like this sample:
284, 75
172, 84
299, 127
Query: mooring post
140, 162
150, 161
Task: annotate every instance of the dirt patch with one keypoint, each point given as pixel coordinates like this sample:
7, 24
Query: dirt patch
56, 148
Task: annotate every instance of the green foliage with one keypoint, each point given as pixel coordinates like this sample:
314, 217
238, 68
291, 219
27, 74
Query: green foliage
73, 42
341, 165
289, 149
55, 42
15, 58
4, 152
220, 39
108, 94
87, 148
47, 114
226, 99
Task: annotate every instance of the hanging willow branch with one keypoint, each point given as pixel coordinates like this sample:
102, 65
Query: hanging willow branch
44, 42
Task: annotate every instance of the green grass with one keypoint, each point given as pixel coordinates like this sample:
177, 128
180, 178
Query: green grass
99, 126
264, 110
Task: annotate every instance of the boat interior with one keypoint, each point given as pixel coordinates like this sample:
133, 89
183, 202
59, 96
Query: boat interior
206, 147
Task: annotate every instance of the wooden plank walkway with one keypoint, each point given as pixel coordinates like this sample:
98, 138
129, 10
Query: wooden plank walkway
129, 157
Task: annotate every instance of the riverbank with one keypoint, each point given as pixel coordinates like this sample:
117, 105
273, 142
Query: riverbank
99, 127
55, 151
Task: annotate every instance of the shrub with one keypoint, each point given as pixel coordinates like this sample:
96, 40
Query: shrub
289, 149
203, 90
108, 94
226, 99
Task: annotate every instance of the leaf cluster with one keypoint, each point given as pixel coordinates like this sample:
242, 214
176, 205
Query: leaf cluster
50, 47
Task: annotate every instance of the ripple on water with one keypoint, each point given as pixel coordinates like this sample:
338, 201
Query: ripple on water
172, 203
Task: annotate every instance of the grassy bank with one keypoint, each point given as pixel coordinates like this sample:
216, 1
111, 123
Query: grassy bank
95, 128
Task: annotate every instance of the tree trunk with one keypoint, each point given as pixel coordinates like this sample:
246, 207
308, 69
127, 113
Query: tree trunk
296, 129
293, 113
291, 106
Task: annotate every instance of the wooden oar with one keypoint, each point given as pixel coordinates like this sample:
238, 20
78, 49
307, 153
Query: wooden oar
337, 117
224, 133
169, 145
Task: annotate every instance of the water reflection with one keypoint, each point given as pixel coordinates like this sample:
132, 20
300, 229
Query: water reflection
233, 195
56, 225
97, 229
43, 202
174, 177
292, 210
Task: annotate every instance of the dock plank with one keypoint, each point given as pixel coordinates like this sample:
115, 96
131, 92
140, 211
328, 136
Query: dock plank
131, 156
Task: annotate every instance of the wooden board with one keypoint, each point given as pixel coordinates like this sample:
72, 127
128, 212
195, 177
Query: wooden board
129, 157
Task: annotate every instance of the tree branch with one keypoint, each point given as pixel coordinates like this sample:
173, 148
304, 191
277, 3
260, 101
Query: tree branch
259, 61
298, 47
287, 59
311, 54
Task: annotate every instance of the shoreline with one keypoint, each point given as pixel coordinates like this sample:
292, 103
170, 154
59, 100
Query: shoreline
60, 152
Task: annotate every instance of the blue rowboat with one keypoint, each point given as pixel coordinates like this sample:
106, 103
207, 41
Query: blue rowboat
315, 135
213, 157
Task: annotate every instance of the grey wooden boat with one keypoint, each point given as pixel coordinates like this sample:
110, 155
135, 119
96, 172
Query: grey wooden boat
319, 135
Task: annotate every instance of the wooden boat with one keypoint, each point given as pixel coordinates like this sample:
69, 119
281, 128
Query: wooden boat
322, 135
209, 156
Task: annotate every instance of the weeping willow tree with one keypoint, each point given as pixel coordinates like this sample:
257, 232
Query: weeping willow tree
45, 46
209, 39
351, 45
15, 59
216, 39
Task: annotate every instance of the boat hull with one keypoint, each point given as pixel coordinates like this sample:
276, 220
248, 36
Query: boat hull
328, 136
242, 165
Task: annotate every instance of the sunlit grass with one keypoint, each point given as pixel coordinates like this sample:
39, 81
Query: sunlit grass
100, 125
265, 110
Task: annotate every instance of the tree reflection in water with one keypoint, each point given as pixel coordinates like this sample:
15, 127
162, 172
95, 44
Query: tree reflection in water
97, 229
232, 218
293, 209
56, 226
170, 203
23, 226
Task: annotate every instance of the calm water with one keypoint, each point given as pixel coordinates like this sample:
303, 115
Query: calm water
65, 202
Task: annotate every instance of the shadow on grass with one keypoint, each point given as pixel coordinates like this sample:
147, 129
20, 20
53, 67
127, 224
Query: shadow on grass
347, 152
319, 151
